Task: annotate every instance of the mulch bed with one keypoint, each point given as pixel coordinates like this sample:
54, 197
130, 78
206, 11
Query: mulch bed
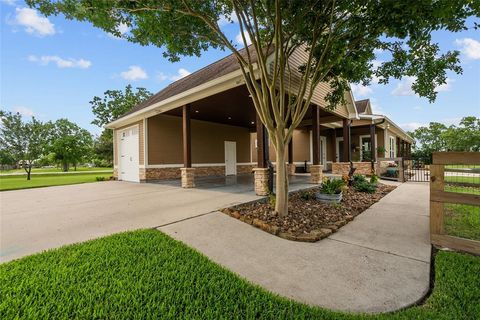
308, 220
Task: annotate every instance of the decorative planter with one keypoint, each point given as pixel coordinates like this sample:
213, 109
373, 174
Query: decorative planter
332, 198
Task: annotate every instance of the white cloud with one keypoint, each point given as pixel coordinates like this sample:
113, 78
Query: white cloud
411, 126
122, 29
404, 87
376, 108
181, 73
60, 62
33, 22
9, 2
134, 73
239, 38
446, 86
230, 20
469, 47
360, 90
24, 111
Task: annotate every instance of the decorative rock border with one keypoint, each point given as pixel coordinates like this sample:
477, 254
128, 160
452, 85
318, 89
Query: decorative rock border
312, 236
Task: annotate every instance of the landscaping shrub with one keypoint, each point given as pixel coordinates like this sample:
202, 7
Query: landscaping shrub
100, 178
374, 178
332, 186
357, 178
365, 186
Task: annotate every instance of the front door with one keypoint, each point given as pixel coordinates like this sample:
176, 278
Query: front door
339, 152
230, 158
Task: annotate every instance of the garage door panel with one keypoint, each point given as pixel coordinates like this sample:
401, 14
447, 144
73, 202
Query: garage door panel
129, 154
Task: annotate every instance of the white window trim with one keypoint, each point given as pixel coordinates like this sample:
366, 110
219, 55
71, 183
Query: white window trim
392, 147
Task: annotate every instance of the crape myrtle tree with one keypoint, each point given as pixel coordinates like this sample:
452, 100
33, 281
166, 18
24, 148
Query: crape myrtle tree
338, 36
24, 142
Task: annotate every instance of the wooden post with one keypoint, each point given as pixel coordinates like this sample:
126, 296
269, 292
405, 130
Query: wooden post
334, 141
346, 140
373, 144
262, 144
316, 134
187, 137
436, 208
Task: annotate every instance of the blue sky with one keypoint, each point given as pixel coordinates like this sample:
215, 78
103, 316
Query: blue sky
52, 68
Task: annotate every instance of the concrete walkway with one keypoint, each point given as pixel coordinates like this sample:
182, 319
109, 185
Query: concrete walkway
379, 262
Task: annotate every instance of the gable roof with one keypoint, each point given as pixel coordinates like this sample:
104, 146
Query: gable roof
210, 72
363, 106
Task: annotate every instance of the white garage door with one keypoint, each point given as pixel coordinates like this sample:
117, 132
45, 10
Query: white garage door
128, 151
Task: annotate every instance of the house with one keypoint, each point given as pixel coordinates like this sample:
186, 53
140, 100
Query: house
205, 124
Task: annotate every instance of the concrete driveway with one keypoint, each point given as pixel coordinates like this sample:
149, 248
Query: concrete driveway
33, 220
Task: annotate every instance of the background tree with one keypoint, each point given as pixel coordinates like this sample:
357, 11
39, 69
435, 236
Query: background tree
115, 103
103, 149
25, 142
6, 159
465, 136
439, 137
108, 108
70, 143
338, 36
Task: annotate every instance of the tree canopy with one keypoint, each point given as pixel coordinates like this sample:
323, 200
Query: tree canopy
23, 141
339, 37
439, 137
115, 103
70, 143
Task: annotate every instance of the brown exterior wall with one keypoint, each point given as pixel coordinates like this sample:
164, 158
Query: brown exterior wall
208, 141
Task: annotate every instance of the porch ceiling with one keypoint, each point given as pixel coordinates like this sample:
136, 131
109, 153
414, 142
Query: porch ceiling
235, 107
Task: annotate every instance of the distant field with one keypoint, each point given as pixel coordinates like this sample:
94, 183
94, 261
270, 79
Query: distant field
45, 180
41, 170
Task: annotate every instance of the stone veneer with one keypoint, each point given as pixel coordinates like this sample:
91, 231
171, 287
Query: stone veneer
188, 177
291, 169
115, 173
343, 168
261, 181
316, 173
174, 173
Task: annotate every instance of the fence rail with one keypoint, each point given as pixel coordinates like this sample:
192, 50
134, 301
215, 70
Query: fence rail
439, 197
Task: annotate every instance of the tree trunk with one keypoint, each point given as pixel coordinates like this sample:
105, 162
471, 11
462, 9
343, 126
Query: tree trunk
29, 171
65, 166
281, 185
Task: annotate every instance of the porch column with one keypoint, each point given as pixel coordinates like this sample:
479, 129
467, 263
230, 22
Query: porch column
346, 141
187, 172
373, 146
316, 169
334, 142
291, 165
261, 175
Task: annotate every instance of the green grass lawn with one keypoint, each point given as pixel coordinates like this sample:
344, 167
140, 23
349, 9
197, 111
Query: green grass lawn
146, 274
41, 170
462, 220
44, 180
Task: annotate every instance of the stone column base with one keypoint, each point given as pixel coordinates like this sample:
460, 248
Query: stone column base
316, 173
291, 169
188, 177
261, 181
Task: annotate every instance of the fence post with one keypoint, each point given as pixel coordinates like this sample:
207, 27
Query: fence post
437, 183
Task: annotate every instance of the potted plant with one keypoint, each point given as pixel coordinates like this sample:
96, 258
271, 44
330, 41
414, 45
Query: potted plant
331, 190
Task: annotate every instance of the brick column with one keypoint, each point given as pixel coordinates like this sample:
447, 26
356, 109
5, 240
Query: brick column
188, 177
261, 181
291, 168
316, 173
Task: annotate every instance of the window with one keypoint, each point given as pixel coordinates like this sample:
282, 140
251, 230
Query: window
392, 147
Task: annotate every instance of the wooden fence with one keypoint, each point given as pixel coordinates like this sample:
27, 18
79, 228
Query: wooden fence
438, 198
